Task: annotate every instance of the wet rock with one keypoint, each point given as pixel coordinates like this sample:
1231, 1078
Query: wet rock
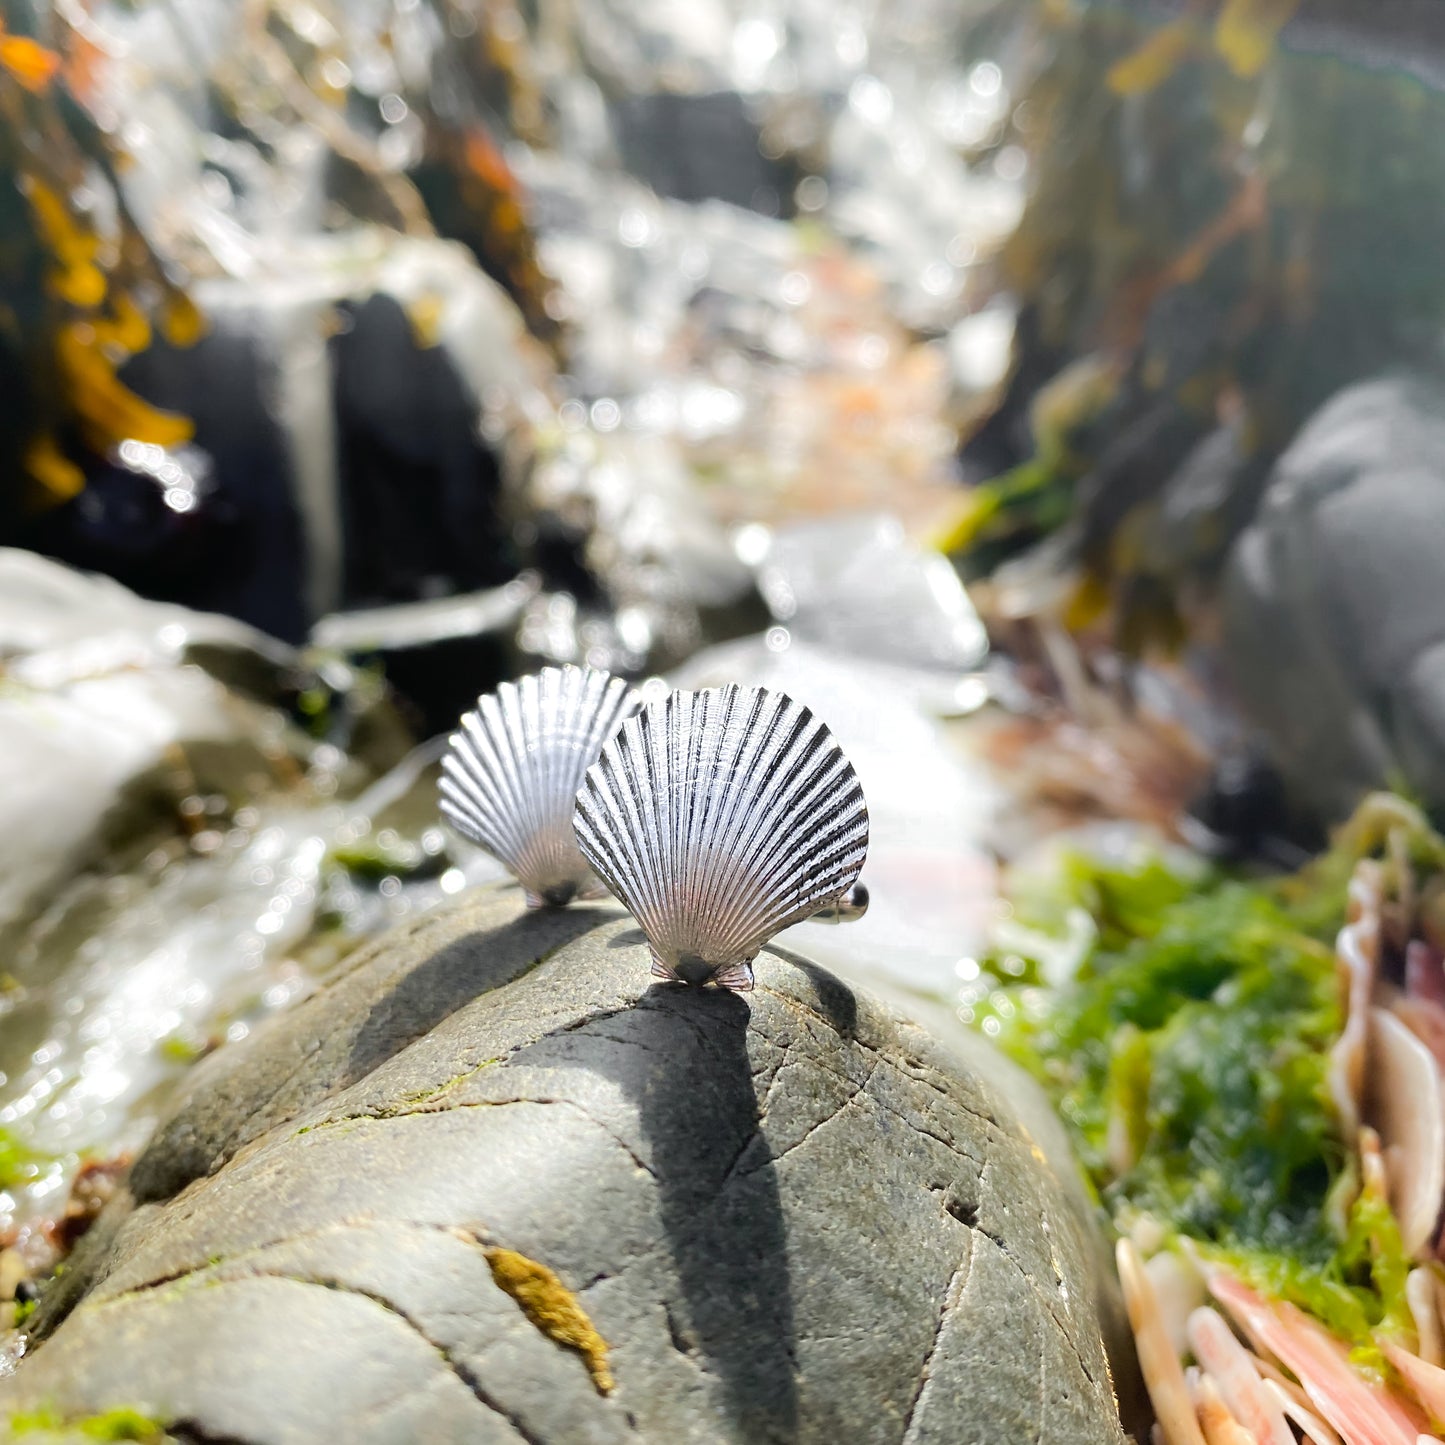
635, 573
702, 147
365, 410
857, 585
106, 724
439, 654
159, 795
491, 1185
1334, 618
120, 713
52, 610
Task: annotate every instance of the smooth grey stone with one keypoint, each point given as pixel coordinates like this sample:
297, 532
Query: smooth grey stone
793, 1216
1333, 609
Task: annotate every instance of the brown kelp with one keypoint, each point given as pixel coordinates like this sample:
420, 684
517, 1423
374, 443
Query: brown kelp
82, 287
1203, 247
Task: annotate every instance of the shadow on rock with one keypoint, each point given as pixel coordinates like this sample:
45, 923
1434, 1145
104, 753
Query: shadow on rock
680, 1058
340, 1035
834, 999
628, 938
453, 976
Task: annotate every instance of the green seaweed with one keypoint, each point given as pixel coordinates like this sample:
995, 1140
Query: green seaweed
119, 1423
19, 1163
181, 1048
1189, 1058
373, 860
315, 704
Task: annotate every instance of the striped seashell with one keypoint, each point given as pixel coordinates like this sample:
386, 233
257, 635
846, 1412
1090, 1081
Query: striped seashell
511, 773
720, 818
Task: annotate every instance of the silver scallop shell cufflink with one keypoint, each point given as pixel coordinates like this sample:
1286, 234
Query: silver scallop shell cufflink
720, 818
512, 769
849, 907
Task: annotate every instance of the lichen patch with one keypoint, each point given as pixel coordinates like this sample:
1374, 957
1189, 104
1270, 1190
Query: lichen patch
552, 1307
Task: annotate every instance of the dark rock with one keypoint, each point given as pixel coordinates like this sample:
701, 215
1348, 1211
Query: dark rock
354, 457
410, 1208
1333, 612
419, 489
702, 147
438, 655
229, 384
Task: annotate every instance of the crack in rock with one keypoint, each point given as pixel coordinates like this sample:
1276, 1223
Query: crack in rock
462, 1372
957, 1284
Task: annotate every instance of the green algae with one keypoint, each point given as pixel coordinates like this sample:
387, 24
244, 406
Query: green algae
121, 1422
1188, 1056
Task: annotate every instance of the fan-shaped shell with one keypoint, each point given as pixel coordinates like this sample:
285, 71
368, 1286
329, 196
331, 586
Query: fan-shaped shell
719, 818
511, 773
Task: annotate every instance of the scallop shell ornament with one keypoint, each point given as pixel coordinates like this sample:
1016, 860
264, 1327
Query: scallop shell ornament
511, 773
847, 908
720, 818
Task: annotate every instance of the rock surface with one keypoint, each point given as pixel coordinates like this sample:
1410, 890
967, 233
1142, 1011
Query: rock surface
416, 1207
114, 709
187, 810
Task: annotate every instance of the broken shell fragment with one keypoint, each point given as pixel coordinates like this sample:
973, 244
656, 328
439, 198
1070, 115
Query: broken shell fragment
1178, 1291
1219, 1425
1423, 1295
1231, 1367
1158, 1362
1403, 1101
1426, 1381
1314, 1430
511, 773
720, 818
1358, 952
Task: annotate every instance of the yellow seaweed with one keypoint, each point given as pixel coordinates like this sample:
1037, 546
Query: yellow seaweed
1154, 61
74, 277
425, 314
28, 61
1087, 604
59, 478
72, 245
126, 329
82, 285
109, 411
97, 282
182, 322
976, 508
1246, 31
552, 1307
